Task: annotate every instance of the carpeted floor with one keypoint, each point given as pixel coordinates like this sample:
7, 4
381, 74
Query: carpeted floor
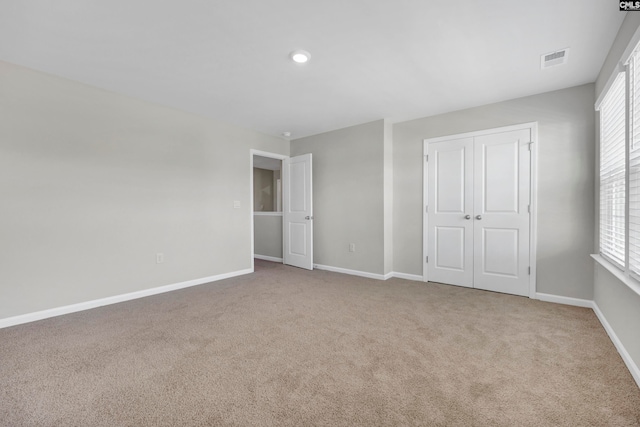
287, 347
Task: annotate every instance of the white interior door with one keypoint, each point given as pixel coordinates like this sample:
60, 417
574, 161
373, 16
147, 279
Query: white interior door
501, 217
450, 208
298, 212
478, 225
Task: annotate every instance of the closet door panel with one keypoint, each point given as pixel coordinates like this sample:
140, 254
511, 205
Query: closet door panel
501, 212
450, 202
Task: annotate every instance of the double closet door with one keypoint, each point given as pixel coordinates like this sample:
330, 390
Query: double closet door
477, 214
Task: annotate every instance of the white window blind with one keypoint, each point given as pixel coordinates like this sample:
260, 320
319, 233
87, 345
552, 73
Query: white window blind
634, 163
612, 173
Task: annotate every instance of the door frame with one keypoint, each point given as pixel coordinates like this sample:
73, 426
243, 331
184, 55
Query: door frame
533, 224
260, 153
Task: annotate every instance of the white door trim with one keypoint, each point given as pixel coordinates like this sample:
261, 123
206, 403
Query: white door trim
533, 127
252, 153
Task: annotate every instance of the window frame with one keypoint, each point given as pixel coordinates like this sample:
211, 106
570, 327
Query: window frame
615, 253
631, 60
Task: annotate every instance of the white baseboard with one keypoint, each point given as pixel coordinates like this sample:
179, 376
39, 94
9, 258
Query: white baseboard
565, 300
267, 258
368, 275
59, 311
353, 272
406, 276
633, 368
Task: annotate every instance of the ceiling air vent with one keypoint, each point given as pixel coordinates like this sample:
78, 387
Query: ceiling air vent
552, 59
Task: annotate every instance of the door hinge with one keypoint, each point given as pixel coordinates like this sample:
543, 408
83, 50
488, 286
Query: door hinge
426, 208
529, 208
426, 158
529, 271
530, 145
427, 259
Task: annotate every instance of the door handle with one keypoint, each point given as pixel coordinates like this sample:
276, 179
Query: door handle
308, 217
478, 216
467, 217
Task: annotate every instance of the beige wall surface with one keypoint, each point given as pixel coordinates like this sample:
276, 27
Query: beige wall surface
268, 235
348, 196
94, 184
565, 182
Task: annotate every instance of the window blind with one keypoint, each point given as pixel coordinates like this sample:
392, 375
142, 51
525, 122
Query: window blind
634, 163
612, 173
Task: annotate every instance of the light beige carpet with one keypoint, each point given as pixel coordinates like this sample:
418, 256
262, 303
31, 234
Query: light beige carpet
287, 347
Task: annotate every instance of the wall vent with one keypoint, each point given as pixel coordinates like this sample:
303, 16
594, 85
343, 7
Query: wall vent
552, 59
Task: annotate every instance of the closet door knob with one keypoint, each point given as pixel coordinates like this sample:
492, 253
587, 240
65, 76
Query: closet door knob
467, 217
478, 216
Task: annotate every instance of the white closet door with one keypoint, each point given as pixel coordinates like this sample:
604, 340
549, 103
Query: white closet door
450, 207
501, 218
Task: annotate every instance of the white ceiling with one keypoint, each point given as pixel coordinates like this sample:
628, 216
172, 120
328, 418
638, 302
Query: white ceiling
370, 59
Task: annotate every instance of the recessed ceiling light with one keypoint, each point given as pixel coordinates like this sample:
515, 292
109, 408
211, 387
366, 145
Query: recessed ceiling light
300, 56
286, 134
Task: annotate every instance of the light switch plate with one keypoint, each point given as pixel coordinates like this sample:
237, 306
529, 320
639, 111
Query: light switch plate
236, 204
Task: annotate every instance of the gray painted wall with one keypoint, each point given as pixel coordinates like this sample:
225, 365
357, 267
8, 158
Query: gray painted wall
268, 235
625, 33
619, 305
94, 184
388, 197
565, 182
348, 195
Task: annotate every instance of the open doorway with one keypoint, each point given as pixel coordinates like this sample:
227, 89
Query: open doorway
281, 209
266, 206
267, 185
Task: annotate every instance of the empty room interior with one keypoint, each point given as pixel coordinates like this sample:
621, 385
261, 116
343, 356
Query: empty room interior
292, 213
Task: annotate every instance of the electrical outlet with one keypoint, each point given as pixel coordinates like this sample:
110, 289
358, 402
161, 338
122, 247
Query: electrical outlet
159, 258
352, 247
